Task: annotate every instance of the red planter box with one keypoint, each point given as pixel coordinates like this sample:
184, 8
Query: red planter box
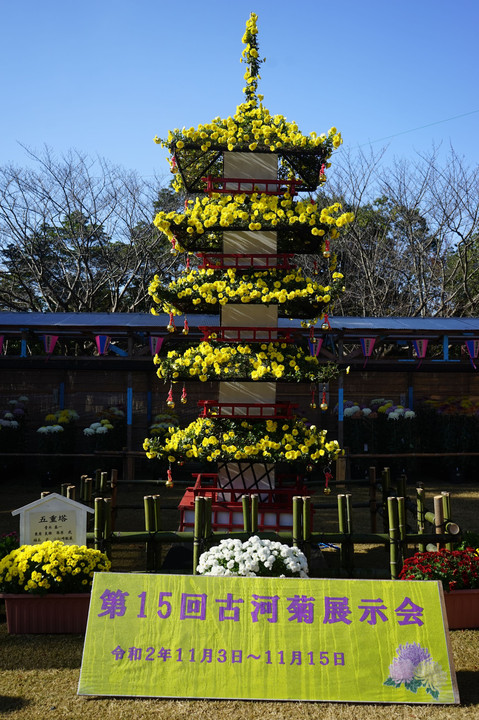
46, 613
462, 607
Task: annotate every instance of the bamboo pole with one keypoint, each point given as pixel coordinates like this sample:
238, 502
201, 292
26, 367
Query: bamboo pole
420, 515
103, 486
81, 488
254, 513
349, 529
446, 511
297, 507
402, 531
438, 517
245, 502
63, 489
114, 496
156, 512
107, 526
393, 536
99, 523
343, 530
207, 520
87, 490
372, 498
386, 485
150, 529
198, 531
307, 527
71, 491
450, 528
157, 526
96, 486
401, 486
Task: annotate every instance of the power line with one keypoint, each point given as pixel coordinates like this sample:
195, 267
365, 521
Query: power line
420, 127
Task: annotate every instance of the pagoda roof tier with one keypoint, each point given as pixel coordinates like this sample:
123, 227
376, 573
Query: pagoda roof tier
195, 165
290, 238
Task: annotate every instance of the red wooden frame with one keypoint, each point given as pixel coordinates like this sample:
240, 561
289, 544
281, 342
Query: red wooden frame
266, 261
250, 411
271, 187
227, 514
250, 334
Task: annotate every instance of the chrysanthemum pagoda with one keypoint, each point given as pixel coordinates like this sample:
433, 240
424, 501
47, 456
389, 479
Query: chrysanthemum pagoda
248, 218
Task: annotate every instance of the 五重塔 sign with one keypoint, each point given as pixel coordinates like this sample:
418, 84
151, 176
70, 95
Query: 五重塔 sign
267, 638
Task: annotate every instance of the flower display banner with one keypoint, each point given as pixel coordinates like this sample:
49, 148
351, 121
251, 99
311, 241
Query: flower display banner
49, 342
102, 344
186, 636
420, 348
156, 341
315, 346
367, 346
472, 347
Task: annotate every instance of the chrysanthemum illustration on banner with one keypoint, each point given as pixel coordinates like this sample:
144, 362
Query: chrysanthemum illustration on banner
414, 666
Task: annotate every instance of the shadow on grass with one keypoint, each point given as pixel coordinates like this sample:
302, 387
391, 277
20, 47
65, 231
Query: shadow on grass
468, 684
10, 704
44, 652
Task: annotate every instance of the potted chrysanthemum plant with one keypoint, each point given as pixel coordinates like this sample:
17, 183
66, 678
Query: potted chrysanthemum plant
46, 587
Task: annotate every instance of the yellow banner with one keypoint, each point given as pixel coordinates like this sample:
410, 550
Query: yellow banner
267, 638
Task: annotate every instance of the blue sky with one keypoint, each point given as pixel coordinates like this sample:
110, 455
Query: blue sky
105, 77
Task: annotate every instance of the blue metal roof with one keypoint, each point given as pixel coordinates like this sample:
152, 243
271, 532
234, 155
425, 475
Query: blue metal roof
145, 322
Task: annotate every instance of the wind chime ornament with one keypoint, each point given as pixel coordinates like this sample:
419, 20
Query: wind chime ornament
173, 245
325, 325
186, 327
328, 475
184, 396
324, 402
171, 324
312, 404
169, 478
327, 249
169, 400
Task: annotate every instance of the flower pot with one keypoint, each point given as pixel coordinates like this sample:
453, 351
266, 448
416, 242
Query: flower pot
462, 608
46, 613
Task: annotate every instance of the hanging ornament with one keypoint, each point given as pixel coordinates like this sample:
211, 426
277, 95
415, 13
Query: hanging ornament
322, 176
314, 343
188, 262
184, 397
420, 346
169, 400
324, 402
472, 347
325, 324
367, 346
186, 327
171, 324
327, 250
309, 468
173, 245
169, 478
49, 342
156, 341
327, 477
312, 404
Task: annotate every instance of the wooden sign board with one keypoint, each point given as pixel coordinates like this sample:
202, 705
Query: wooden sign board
53, 517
